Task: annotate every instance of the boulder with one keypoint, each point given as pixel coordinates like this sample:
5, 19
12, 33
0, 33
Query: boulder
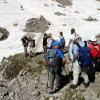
3, 33
37, 25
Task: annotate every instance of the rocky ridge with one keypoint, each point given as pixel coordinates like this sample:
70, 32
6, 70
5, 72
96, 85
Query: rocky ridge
24, 78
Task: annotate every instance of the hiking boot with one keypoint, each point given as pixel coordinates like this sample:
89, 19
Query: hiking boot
73, 86
86, 85
57, 89
50, 91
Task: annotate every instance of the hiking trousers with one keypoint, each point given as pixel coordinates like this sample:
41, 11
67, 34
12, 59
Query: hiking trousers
25, 49
70, 51
52, 76
77, 70
84, 74
45, 49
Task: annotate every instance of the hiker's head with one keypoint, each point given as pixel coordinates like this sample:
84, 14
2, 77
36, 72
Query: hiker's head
61, 33
55, 44
93, 39
49, 35
45, 35
72, 30
29, 39
25, 37
78, 38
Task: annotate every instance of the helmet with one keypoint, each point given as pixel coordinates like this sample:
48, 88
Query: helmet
93, 38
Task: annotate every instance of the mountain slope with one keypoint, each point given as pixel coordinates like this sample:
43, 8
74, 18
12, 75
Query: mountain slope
62, 18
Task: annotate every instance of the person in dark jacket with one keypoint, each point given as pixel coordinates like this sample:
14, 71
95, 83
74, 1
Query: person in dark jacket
62, 41
54, 71
25, 42
45, 43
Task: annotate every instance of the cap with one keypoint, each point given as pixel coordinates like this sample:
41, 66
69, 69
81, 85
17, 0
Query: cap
93, 38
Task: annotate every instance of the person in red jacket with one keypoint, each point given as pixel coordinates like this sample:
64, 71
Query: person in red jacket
95, 52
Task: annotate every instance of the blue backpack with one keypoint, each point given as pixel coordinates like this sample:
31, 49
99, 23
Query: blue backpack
51, 57
62, 43
85, 57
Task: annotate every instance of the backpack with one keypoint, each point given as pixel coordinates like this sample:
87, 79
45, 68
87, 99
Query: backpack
85, 57
51, 57
62, 43
95, 50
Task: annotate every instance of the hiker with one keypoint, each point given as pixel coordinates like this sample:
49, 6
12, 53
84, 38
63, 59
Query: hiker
82, 60
21, 7
95, 51
25, 42
31, 46
71, 41
54, 58
49, 41
62, 41
45, 43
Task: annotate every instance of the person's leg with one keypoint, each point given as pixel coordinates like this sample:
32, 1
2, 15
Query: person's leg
58, 79
85, 75
51, 78
91, 73
45, 49
70, 51
76, 72
25, 50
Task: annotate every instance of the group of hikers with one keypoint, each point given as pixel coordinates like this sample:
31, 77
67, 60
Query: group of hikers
28, 44
84, 56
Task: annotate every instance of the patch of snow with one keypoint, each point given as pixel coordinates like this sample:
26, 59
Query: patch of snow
11, 13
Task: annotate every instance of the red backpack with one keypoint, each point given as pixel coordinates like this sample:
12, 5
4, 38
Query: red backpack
95, 50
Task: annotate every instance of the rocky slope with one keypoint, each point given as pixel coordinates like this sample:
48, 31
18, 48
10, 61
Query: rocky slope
3, 33
26, 79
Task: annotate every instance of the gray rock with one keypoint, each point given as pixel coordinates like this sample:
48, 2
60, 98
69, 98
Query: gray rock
37, 25
11, 95
36, 93
59, 14
91, 19
3, 33
4, 91
64, 2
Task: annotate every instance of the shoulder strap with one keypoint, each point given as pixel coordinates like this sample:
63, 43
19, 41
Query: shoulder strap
77, 44
85, 43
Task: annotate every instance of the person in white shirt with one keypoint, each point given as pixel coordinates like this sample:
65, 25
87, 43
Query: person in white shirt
73, 37
49, 40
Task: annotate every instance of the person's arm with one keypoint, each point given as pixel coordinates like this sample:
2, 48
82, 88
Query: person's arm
64, 61
75, 52
70, 41
61, 55
49, 42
